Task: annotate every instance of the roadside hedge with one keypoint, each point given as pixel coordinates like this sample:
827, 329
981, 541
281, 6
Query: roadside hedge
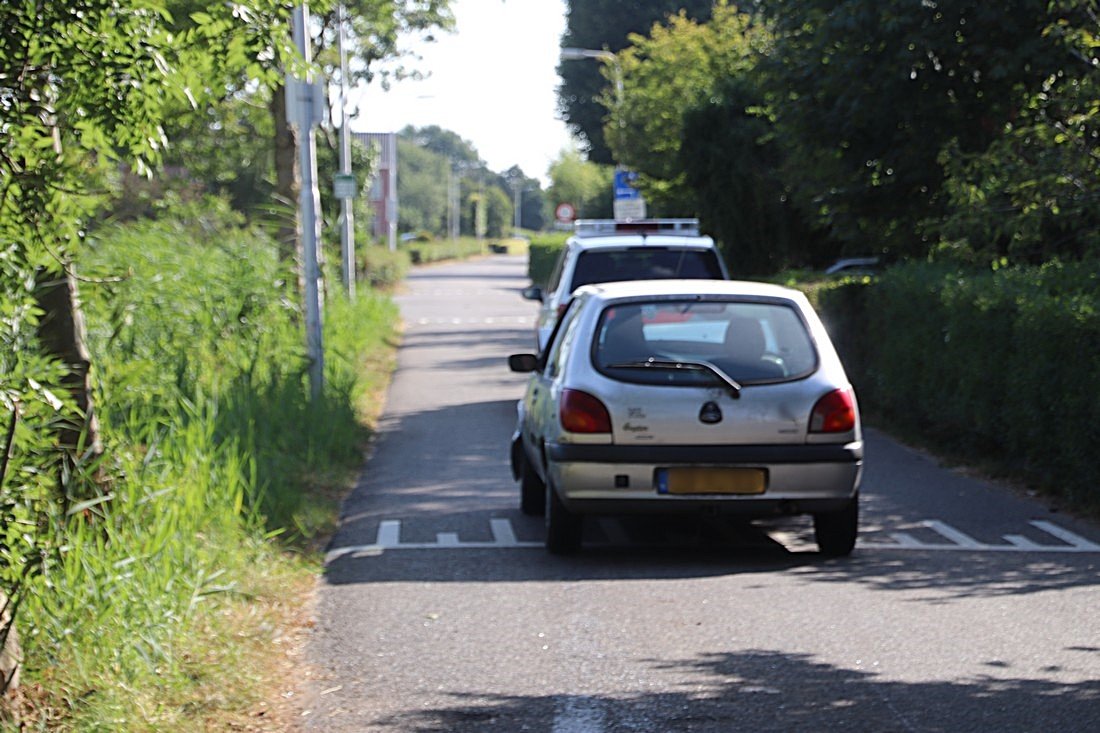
542, 253
1003, 363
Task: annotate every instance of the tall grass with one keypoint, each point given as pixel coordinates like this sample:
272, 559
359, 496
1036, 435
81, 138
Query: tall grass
217, 462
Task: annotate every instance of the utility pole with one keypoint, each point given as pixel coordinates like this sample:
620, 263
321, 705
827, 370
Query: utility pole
303, 105
517, 190
347, 223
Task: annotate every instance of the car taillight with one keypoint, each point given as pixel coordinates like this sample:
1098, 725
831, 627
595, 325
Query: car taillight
561, 310
582, 413
834, 413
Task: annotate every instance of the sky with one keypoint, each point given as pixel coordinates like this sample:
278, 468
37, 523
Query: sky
492, 81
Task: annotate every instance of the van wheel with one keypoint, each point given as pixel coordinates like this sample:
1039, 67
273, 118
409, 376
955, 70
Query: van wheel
836, 532
532, 490
563, 527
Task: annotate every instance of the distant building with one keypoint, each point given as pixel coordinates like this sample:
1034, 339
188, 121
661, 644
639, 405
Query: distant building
383, 189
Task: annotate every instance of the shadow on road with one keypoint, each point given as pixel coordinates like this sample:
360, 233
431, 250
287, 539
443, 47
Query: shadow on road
773, 691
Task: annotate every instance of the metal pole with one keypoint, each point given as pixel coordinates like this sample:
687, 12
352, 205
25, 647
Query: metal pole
391, 195
516, 189
302, 95
347, 216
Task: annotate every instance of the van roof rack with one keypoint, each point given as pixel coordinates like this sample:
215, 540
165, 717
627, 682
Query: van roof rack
606, 227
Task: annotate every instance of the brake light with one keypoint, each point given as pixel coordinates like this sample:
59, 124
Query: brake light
561, 310
580, 412
834, 413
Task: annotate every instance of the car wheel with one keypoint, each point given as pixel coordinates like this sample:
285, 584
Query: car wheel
532, 490
563, 527
836, 532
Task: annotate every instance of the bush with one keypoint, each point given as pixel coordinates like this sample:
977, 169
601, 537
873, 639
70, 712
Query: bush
212, 448
1004, 363
543, 252
382, 268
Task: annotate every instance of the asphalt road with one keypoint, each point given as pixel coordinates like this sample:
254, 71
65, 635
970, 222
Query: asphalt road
965, 607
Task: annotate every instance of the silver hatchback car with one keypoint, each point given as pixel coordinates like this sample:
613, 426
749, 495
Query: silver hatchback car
671, 396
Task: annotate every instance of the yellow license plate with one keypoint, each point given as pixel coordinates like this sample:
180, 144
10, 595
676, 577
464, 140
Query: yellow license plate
712, 480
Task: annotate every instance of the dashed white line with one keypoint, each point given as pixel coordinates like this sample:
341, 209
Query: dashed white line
959, 538
1066, 536
486, 321
503, 533
504, 538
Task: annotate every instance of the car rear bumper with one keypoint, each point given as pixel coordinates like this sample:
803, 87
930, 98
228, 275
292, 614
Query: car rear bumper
800, 479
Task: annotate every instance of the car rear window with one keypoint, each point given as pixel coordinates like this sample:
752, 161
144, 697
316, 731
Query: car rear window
750, 342
645, 263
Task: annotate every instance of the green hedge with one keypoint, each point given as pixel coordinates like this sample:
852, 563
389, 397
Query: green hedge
1005, 364
542, 254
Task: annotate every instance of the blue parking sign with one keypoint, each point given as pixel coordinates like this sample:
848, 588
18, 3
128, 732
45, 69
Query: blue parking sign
624, 185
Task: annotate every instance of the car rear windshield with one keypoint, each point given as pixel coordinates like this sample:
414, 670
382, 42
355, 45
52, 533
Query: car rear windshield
697, 342
645, 263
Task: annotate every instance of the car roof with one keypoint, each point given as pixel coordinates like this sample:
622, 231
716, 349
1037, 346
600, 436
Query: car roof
639, 240
689, 288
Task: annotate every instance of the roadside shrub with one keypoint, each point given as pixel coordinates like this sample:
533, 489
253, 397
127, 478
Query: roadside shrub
1004, 363
382, 268
543, 252
213, 448
421, 253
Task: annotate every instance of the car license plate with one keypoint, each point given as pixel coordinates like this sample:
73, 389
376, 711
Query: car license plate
700, 480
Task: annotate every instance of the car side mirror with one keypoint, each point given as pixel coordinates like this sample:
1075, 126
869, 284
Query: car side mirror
523, 363
533, 292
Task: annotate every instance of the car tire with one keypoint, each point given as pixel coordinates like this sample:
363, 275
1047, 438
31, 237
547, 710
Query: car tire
532, 490
563, 527
836, 531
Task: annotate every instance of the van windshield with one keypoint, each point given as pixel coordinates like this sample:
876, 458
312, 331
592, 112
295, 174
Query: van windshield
645, 263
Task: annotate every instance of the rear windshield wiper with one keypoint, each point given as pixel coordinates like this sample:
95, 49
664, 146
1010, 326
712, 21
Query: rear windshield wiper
698, 366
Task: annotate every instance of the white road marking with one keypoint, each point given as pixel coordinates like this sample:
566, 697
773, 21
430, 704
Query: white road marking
959, 538
488, 320
961, 541
504, 538
503, 533
389, 533
1066, 536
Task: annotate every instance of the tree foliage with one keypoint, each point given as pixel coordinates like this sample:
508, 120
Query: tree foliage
86, 88
867, 93
872, 126
664, 74
583, 184
605, 25
1030, 196
433, 161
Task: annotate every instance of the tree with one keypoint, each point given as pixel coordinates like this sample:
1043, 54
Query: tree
675, 67
532, 202
1031, 195
85, 88
583, 184
606, 25
422, 188
867, 93
71, 114
375, 27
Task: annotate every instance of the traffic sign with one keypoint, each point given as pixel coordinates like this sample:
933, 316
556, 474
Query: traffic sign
344, 186
565, 212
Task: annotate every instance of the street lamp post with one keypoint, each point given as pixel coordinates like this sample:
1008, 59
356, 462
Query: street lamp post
579, 54
517, 191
